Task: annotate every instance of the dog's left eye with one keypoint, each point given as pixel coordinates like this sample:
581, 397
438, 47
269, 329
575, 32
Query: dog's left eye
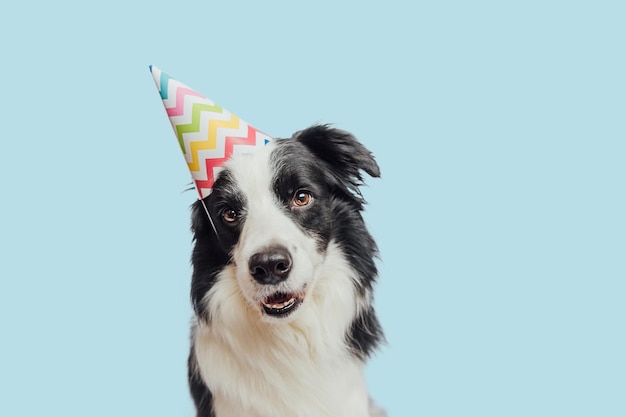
301, 198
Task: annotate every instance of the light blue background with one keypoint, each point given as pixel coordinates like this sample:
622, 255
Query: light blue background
499, 127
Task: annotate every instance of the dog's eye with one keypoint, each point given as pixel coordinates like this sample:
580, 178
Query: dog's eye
302, 198
229, 215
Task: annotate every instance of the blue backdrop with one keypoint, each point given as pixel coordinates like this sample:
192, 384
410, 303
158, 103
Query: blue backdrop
499, 128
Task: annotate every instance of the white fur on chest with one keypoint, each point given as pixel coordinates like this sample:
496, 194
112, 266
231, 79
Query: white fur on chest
280, 384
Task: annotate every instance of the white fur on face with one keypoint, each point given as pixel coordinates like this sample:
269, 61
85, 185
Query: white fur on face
267, 224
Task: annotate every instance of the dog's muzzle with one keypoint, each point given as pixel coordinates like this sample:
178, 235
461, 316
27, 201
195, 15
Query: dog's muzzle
270, 267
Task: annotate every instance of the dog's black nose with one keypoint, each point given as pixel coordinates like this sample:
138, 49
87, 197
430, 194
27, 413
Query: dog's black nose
270, 266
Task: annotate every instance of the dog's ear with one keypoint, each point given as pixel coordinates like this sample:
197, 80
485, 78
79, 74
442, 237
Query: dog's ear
346, 156
199, 221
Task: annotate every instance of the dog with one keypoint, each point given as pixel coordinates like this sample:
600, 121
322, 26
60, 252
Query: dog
283, 276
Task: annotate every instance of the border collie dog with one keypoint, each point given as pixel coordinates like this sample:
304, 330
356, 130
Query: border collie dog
283, 273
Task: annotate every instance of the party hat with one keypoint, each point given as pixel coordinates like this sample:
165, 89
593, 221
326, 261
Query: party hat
207, 133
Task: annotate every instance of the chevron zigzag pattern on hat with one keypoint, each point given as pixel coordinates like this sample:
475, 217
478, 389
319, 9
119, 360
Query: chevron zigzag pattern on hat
207, 134
213, 165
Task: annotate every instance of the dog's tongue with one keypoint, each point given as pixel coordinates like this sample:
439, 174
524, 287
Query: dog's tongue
281, 304
278, 298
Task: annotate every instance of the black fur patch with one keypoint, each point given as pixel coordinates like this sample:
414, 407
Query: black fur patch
212, 252
365, 334
202, 397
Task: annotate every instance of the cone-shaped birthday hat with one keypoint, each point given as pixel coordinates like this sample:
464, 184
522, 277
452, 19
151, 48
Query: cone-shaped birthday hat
207, 134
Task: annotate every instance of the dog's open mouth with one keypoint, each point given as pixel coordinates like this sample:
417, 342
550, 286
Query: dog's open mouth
281, 304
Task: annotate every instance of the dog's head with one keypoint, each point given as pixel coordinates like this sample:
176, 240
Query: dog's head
276, 213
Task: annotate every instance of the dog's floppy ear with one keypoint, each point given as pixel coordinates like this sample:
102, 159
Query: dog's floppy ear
342, 151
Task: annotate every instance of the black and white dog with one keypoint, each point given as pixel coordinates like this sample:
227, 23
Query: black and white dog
282, 282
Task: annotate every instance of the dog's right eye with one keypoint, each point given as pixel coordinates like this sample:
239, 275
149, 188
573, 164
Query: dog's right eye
229, 215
